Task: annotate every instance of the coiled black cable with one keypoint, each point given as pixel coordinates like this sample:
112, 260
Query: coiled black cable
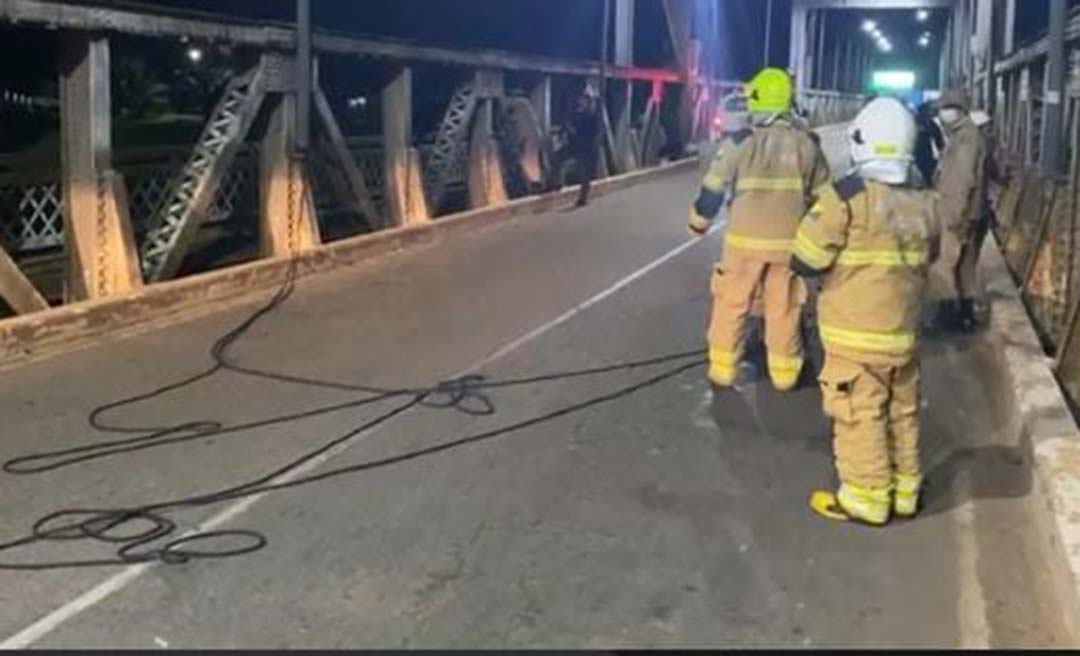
133, 531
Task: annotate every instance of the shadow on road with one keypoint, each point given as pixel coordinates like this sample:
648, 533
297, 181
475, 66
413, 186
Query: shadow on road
756, 419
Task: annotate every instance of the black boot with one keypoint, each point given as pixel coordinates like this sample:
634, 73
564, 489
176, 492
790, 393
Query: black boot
967, 322
948, 315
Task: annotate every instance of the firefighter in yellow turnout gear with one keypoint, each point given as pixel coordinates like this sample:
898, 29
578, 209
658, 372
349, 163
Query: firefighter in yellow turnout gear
770, 170
872, 238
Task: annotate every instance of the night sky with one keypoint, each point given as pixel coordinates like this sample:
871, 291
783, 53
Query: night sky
563, 28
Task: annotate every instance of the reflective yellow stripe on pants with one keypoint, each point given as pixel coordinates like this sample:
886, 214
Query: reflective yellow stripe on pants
760, 244
784, 371
723, 366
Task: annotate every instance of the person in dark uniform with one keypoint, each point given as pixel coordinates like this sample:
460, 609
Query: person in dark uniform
583, 144
930, 142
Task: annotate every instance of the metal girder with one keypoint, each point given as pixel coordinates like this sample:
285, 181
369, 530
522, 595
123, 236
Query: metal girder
1036, 50
359, 193
652, 138
679, 18
282, 36
451, 142
871, 4
626, 158
194, 188
624, 32
16, 289
511, 147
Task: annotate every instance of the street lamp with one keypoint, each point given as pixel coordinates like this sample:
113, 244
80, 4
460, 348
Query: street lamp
195, 55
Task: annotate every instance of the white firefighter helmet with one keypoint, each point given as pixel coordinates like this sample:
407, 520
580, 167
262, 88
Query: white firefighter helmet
883, 141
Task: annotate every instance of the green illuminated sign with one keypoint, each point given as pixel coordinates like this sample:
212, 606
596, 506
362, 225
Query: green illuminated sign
894, 80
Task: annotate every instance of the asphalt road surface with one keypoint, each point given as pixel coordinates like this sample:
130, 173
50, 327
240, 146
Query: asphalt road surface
639, 509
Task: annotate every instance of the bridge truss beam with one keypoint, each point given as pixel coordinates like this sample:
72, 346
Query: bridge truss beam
497, 139
282, 37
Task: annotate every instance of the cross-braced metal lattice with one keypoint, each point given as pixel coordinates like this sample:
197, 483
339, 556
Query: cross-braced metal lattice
189, 199
31, 217
451, 143
370, 162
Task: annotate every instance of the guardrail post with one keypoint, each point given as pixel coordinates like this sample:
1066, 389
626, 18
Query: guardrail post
405, 198
625, 157
1054, 100
541, 102
95, 226
486, 184
288, 221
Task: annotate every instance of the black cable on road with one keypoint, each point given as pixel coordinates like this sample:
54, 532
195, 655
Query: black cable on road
133, 531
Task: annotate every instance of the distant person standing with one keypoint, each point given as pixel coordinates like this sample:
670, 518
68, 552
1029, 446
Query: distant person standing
584, 142
929, 143
962, 185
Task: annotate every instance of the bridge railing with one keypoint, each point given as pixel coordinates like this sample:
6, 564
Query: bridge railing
1038, 226
495, 142
829, 107
31, 201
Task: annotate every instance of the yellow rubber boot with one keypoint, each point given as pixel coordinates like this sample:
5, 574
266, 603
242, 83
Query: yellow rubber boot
906, 495
868, 505
723, 368
851, 503
785, 372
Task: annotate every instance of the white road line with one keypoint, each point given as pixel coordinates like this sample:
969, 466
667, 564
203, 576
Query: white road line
570, 314
117, 582
971, 609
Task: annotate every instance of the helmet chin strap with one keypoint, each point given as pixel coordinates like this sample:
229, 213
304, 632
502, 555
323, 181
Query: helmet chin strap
763, 120
887, 171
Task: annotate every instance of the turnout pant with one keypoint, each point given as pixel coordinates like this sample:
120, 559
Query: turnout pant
875, 414
963, 253
735, 286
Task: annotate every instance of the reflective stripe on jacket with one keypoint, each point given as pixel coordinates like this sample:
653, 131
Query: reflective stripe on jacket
874, 245
771, 171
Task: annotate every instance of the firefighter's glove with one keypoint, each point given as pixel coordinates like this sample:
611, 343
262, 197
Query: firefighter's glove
699, 225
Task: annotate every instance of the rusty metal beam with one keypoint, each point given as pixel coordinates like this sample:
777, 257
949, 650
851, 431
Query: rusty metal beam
361, 196
679, 17
16, 289
282, 36
1039, 49
97, 228
406, 200
193, 189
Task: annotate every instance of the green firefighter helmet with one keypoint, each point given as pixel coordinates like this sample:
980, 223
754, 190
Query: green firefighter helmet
769, 92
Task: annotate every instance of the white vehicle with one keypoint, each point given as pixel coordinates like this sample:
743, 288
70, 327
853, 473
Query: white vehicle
732, 116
